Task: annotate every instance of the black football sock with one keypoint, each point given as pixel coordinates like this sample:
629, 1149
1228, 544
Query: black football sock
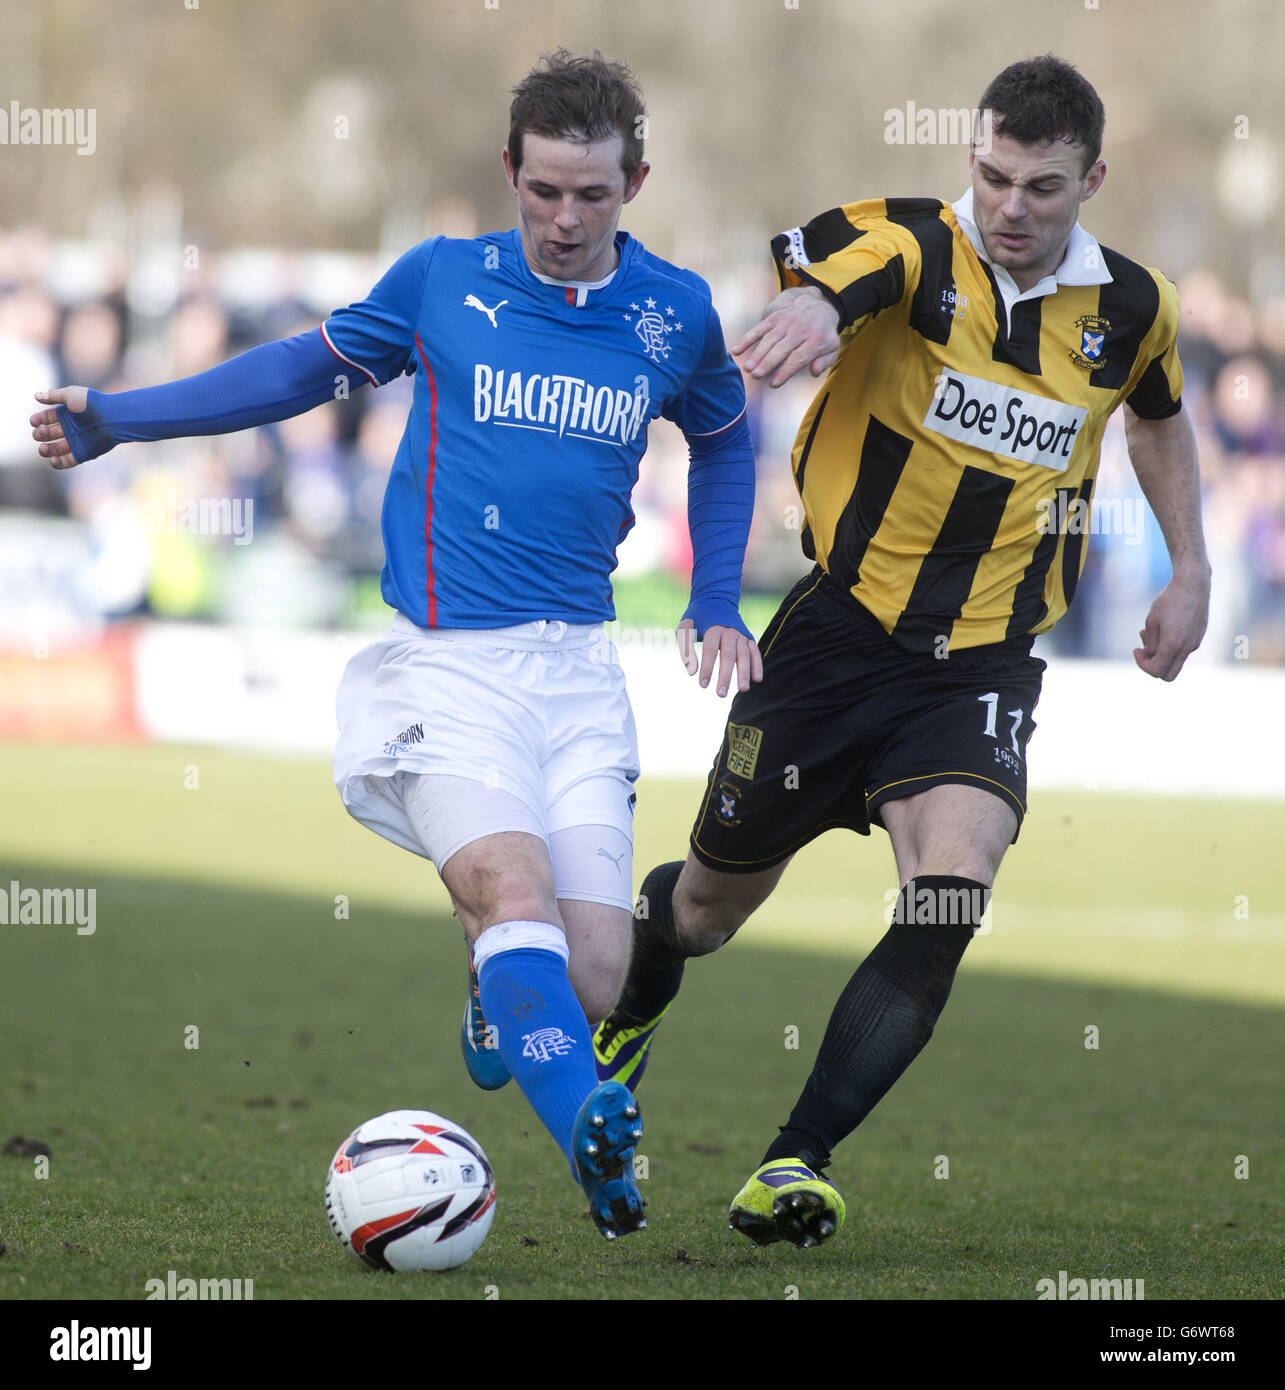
885, 1015
656, 964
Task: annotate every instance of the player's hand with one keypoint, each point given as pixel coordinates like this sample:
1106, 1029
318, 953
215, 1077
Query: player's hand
799, 328
46, 430
734, 651
1175, 624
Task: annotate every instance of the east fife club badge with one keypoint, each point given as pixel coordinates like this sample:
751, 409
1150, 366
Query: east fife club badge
1093, 332
728, 793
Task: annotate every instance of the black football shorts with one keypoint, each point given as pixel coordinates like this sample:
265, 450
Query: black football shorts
846, 719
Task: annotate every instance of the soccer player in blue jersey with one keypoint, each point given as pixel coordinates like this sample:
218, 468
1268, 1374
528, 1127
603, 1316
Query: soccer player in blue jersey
489, 730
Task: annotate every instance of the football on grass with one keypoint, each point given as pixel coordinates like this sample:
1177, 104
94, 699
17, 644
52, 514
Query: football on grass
410, 1191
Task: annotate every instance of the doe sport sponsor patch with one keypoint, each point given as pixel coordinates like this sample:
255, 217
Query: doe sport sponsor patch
1001, 420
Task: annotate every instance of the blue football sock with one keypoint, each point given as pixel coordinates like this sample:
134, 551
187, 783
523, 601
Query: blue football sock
542, 1033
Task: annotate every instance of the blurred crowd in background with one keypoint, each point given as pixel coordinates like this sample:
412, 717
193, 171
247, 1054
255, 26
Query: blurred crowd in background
107, 542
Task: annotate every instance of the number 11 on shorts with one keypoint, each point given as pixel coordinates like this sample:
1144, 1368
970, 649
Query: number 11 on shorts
991, 701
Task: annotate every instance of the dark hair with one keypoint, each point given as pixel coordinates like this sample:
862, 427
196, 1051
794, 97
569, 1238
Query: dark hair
1045, 99
579, 98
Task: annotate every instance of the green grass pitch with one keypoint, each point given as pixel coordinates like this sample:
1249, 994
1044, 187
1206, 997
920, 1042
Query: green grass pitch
1010, 1151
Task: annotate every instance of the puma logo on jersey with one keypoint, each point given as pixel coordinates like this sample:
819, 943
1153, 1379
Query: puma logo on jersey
473, 302
615, 858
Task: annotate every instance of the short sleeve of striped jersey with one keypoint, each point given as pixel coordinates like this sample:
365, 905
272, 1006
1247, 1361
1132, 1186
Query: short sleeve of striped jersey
859, 260
714, 395
1155, 391
377, 334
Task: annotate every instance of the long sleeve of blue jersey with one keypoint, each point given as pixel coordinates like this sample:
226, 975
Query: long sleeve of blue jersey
370, 341
720, 481
272, 382
720, 507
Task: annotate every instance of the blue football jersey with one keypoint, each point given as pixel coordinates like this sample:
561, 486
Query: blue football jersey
510, 490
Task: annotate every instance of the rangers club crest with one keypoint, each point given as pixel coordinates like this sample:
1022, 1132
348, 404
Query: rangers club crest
651, 329
546, 1043
1093, 332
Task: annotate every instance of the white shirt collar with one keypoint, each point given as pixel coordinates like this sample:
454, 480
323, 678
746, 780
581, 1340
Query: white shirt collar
1083, 263
576, 284
581, 287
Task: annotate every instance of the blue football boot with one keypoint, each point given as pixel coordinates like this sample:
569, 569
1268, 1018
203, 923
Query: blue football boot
606, 1130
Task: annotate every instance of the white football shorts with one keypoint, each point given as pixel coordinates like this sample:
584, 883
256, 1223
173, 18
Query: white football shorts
448, 735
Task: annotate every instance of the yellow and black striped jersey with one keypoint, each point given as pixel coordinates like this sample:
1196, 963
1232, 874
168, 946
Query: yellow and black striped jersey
947, 464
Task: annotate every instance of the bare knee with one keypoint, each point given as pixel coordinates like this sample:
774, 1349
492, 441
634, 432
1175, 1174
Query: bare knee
710, 907
703, 920
502, 878
951, 831
976, 866
520, 902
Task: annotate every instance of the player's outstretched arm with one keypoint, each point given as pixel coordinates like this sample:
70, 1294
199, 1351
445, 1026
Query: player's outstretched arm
1163, 454
268, 383
799, 328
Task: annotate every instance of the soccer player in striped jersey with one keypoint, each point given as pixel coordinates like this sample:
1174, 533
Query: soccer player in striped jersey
973, 352
489, 730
